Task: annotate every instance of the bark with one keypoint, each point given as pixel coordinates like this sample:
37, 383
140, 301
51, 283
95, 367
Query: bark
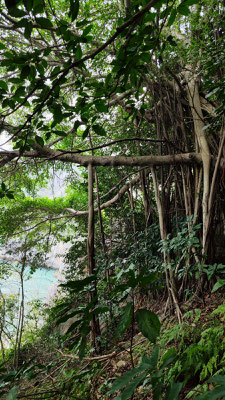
194, 101
95, 327
171, 285
113, 161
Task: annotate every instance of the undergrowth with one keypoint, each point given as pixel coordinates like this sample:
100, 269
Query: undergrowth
177, 366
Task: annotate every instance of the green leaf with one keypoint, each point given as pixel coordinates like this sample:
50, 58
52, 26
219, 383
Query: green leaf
68, 316
99, 130
219, 379
38, 7
183, 9
217, 393
173, 391
76, 125
3, 186
25, 72
129, 391
100, 310
220, 283
44, 22
39, 140
85, 133
10, 195
87, 30
78, 285
74, 326
28, 4
123, 380
74, 9
172, 17
148, 324
101, 106
28, 30
169, 357
12, 394
125, 320
16, 12
78, 52
150, 363
82, 347
3, 85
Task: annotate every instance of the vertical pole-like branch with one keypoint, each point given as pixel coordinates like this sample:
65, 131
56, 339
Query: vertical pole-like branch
194, 102
90, 240
95, 327
21, 311
2, 324
171, 285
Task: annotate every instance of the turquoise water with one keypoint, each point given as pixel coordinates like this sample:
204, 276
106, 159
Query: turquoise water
38, 285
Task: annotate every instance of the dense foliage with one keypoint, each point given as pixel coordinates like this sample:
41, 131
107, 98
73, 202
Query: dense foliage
122, 103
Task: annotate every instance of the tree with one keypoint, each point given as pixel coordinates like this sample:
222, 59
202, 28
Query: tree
139, 74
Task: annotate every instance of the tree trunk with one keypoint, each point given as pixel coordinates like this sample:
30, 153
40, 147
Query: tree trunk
95, 326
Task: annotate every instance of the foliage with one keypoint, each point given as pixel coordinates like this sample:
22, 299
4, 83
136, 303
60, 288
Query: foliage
137, 87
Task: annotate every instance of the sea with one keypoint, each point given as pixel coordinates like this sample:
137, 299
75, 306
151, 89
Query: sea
38, 285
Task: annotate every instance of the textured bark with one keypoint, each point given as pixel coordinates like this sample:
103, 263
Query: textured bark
95, 326
195, 104
113, 161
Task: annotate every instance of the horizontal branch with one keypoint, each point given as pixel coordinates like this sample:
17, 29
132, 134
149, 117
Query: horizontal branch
108, 161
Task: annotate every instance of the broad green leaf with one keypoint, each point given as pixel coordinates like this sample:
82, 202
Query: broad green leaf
68, 316
100, 310
85, 133
16, 12
44, 22
28, 4
173, 391
38, 7
183, 9
125, 320
101, 106
10, 195
220, 283
76, 125
99, 130
172, 17
123, 380
87, 30
148, 324
3, 186
78, 285
82, 347
74, 325
219, 379
4, 85
150, 362
169, 357
25, 72
12, 394
78, 52
39, 140
28, 30
74, 9
130, 389
216, 394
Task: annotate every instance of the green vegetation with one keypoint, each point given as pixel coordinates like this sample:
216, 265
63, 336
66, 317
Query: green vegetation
112, 146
